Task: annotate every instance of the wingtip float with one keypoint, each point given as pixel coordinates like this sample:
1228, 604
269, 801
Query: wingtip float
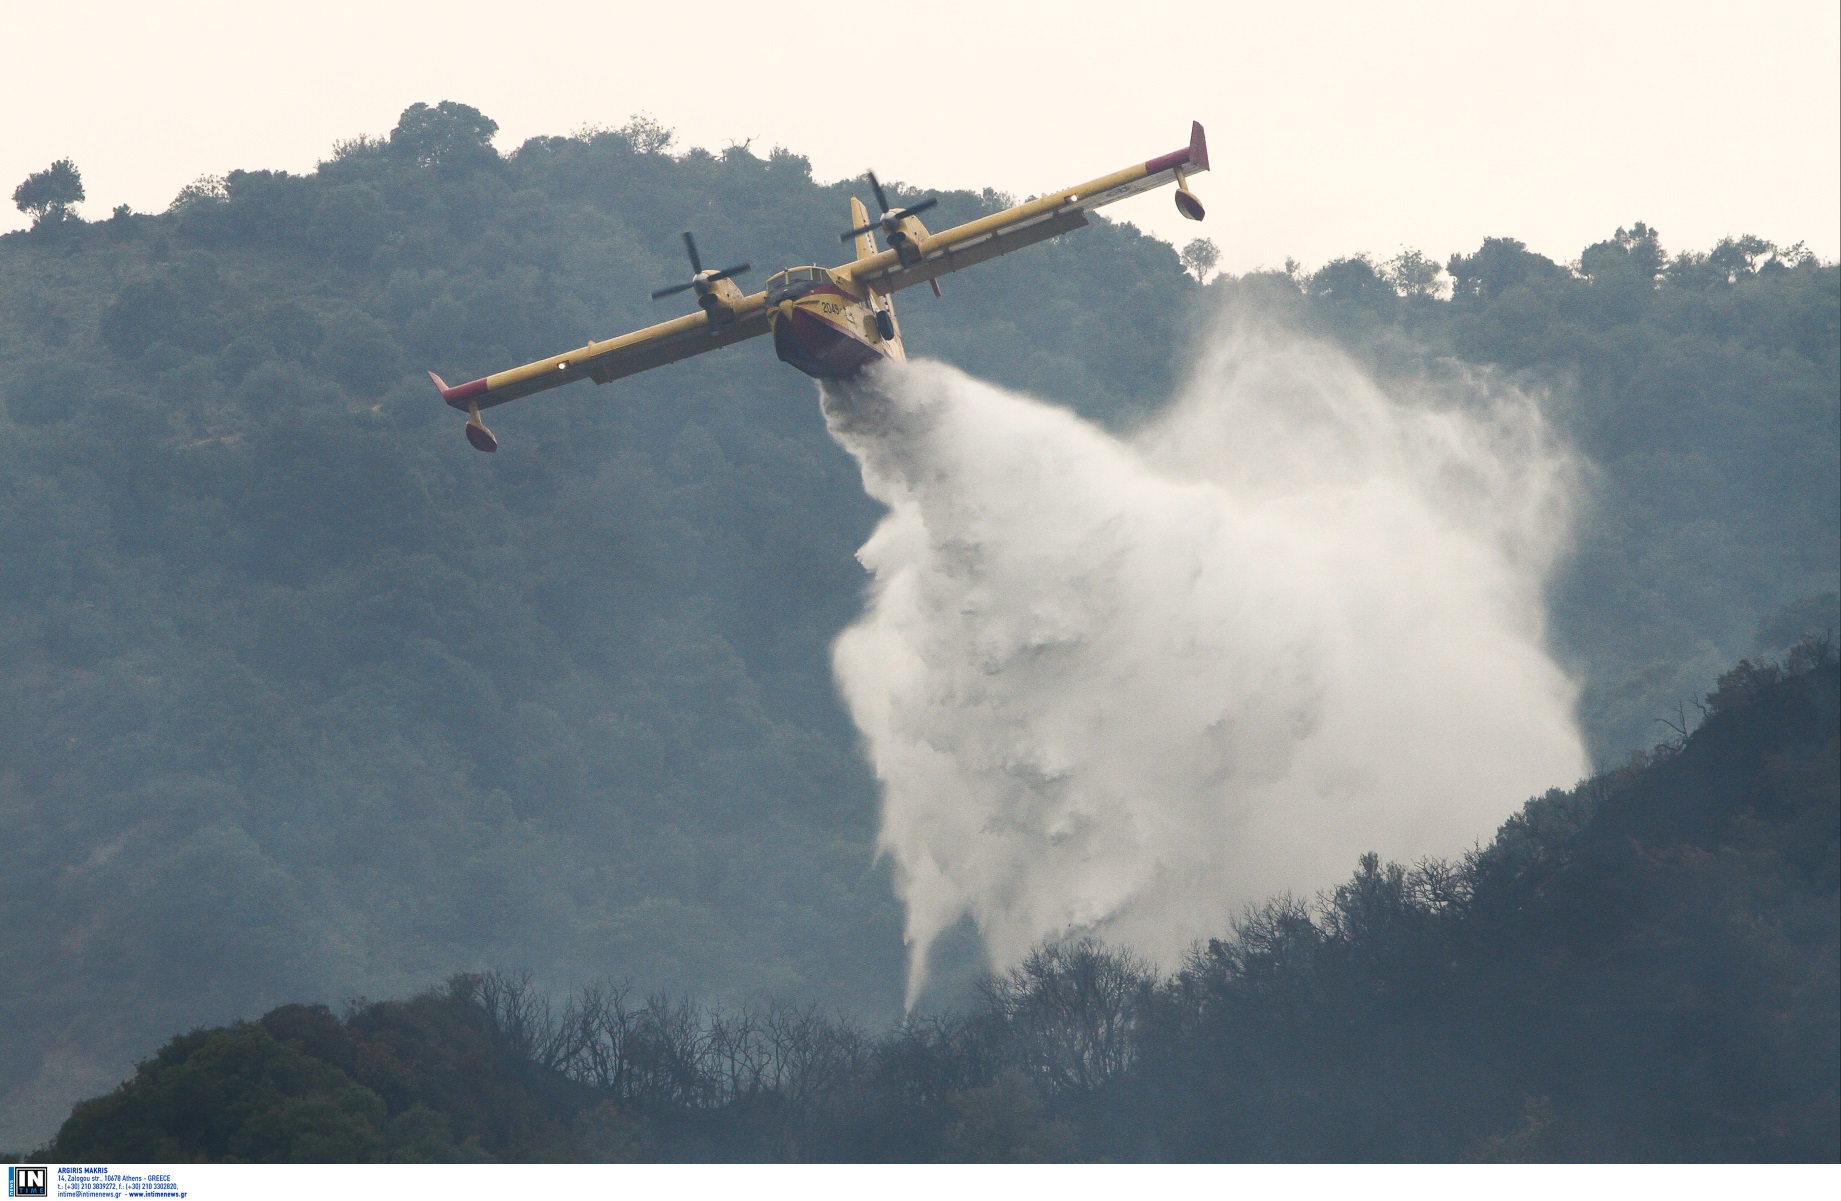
830, 322
466, 397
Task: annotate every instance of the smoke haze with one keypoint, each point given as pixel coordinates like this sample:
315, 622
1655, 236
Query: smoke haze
1127, 687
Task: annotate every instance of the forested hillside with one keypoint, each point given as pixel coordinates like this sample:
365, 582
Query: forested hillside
303, 699
1642, 968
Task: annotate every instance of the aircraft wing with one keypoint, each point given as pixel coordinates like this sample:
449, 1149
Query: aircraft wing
628, 354
1028, 223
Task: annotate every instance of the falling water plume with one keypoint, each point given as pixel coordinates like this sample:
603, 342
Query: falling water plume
1128, 686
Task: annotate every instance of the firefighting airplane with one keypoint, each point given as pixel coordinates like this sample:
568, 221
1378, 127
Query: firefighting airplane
829, 323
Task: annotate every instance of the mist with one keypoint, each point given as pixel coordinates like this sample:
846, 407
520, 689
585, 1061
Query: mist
1127, 686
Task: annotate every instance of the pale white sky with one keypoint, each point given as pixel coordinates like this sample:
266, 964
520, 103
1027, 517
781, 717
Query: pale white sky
1334, 127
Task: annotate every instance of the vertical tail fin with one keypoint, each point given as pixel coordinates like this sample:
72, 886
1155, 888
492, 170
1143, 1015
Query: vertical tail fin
866, 241
881, 303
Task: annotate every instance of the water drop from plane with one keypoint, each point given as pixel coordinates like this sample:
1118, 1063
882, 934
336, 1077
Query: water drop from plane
1128, 686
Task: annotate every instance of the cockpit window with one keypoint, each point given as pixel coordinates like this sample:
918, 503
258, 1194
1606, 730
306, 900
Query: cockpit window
795, 282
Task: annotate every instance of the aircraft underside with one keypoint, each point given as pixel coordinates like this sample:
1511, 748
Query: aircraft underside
821, 347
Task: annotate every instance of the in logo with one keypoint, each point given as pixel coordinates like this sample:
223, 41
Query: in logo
26, 1182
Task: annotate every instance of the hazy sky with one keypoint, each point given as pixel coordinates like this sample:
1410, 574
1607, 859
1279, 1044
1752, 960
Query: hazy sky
1334, 127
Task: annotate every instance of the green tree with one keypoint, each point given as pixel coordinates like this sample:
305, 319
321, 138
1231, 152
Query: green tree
1637, 250
234, 1093
1199, 257
1498, 265
444, 135
46, 196
647, 134
1351, 280
203, 192
1413, 275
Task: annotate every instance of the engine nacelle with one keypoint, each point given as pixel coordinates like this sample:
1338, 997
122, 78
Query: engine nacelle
904, 236
718, 299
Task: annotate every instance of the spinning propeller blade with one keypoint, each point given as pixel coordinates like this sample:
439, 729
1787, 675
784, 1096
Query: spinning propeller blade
912, 209
699, 277
890, 217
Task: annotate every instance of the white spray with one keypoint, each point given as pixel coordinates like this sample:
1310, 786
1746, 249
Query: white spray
1128, 687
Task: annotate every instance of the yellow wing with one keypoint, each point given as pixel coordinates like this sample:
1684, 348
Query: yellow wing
628, 354
933, 255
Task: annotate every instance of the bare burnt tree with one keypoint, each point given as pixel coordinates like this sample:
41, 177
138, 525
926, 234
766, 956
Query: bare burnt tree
1071, 1012
519, 1018
813, 1057
665, 1055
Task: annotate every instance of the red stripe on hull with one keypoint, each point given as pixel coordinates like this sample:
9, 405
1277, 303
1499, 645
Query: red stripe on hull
818, 348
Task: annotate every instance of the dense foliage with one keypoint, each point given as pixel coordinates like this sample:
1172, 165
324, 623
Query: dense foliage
1642, 968
303, 698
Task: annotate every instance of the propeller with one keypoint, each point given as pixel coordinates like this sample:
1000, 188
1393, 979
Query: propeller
699, 277
890, 221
